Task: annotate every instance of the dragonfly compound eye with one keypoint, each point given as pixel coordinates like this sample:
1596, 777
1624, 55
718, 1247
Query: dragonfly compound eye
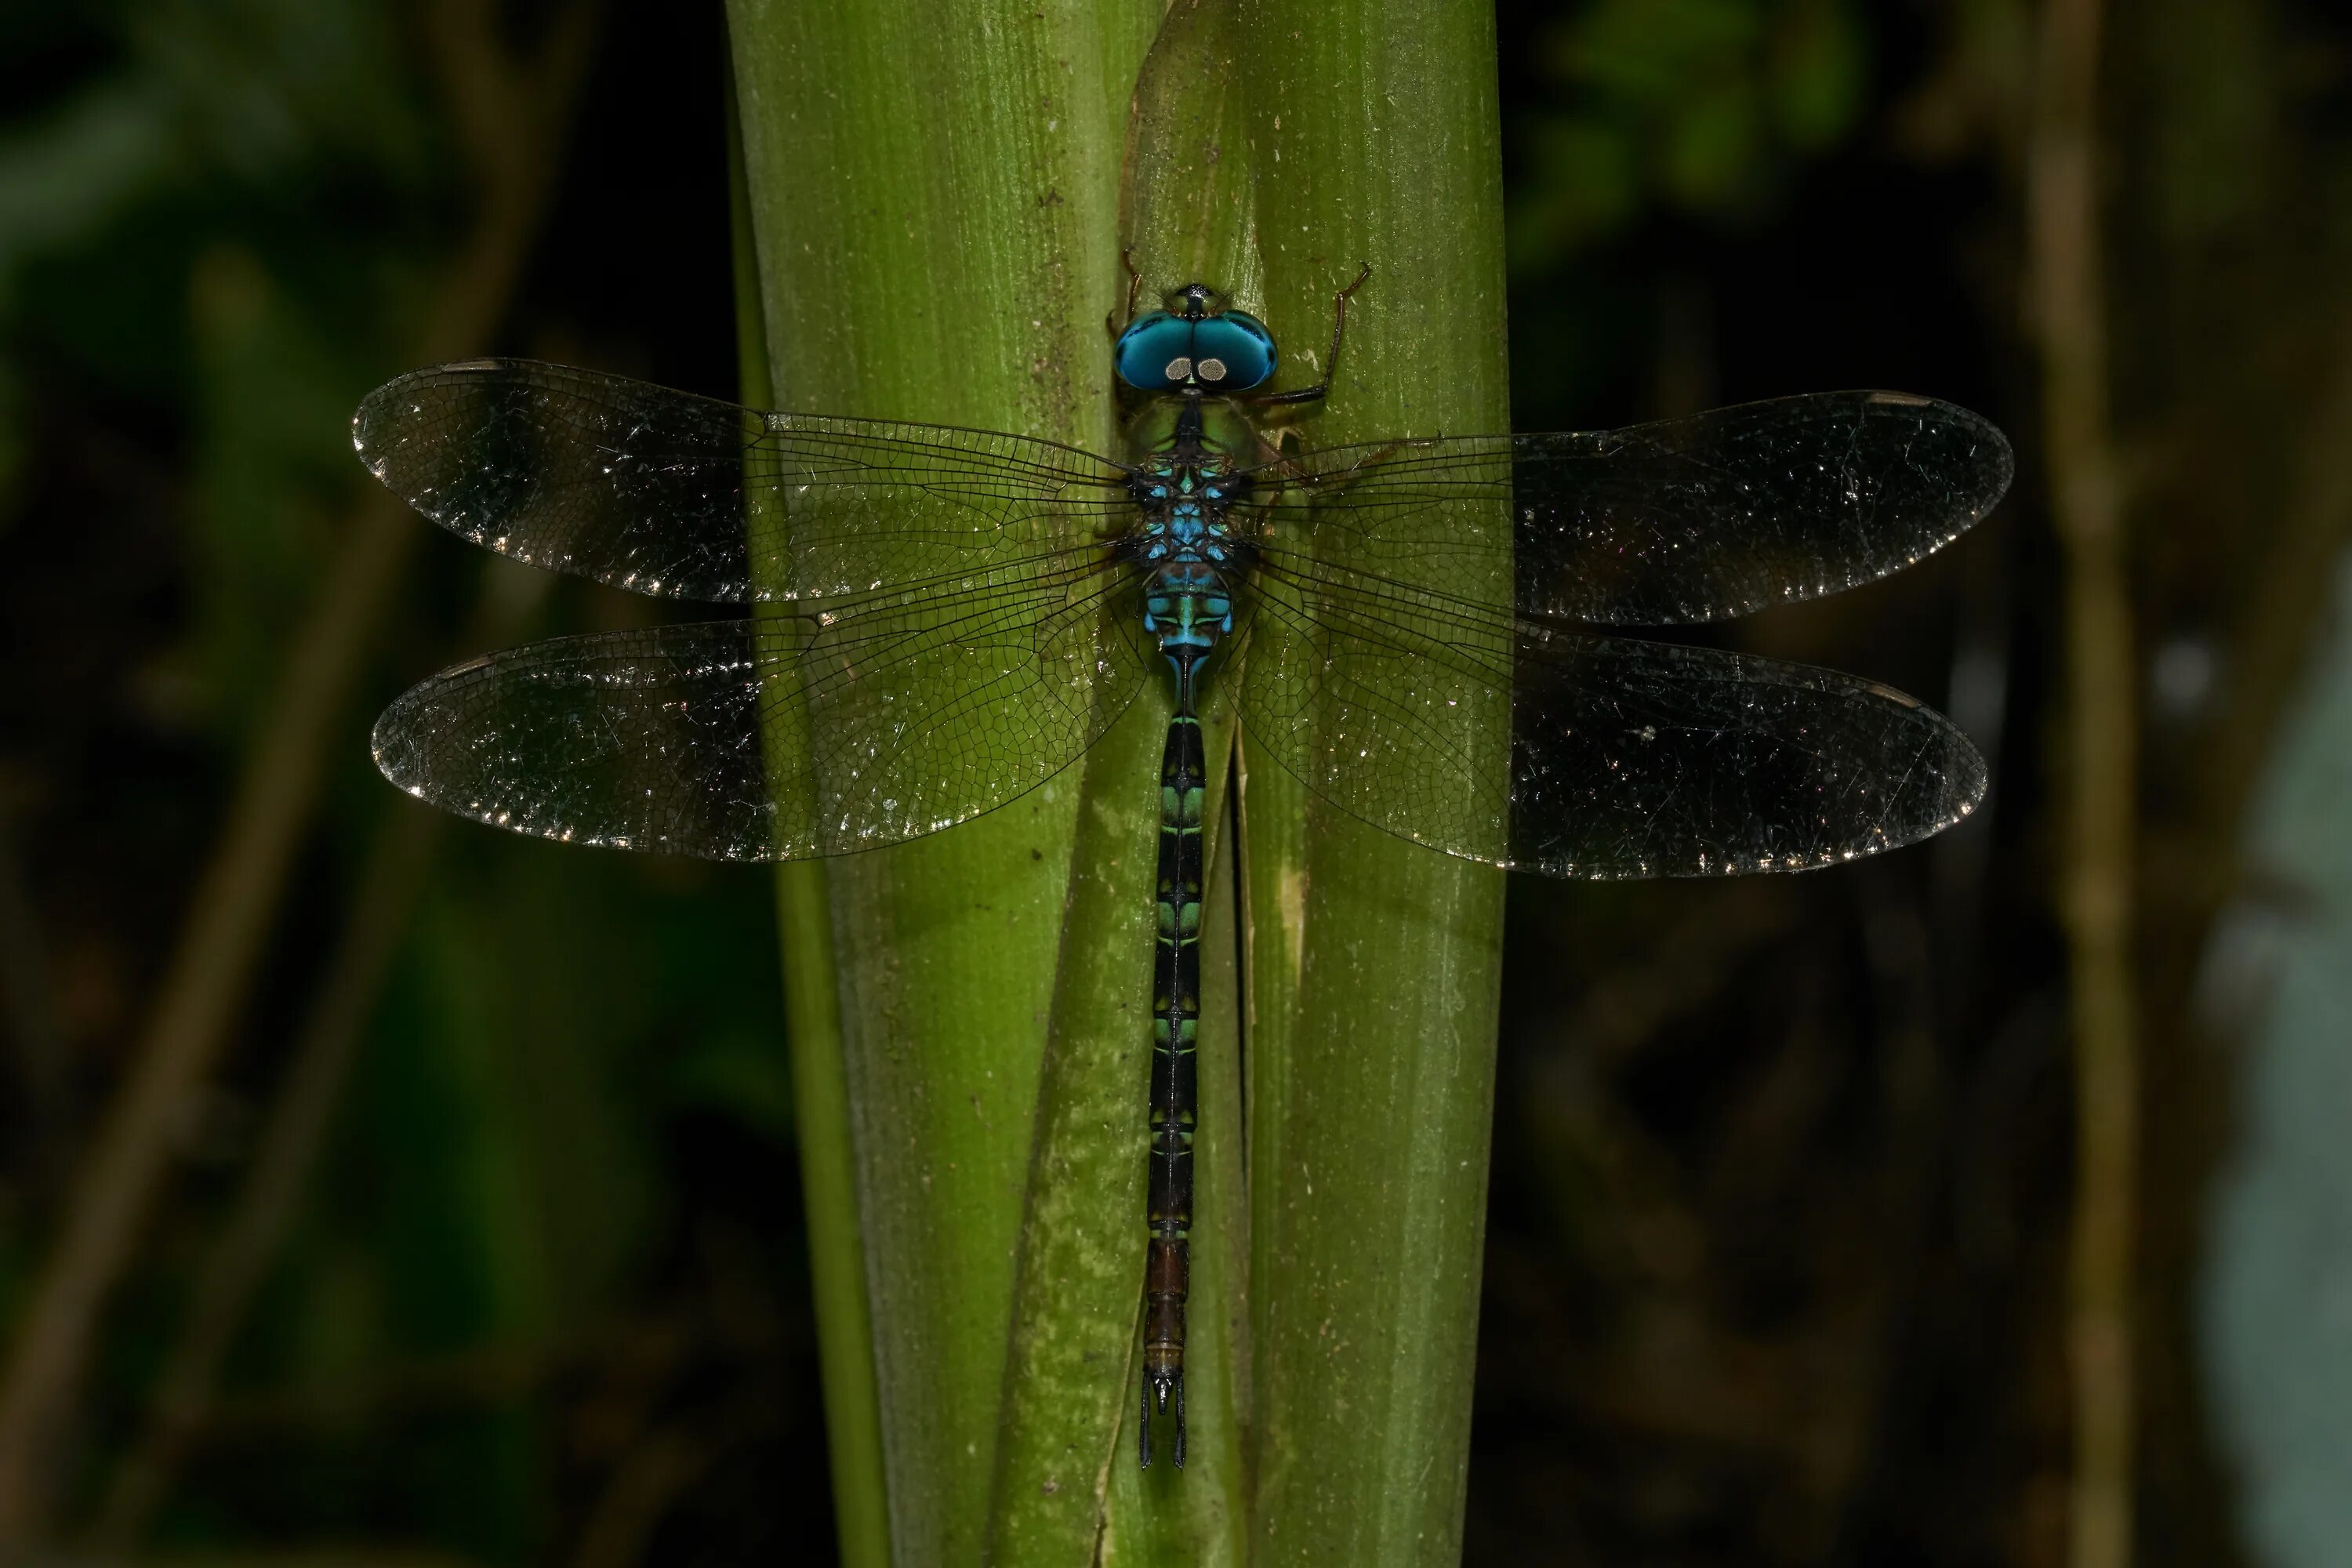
1155, 353
1238, 346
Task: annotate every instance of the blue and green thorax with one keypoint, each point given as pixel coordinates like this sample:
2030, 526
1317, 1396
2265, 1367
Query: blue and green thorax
1190, 450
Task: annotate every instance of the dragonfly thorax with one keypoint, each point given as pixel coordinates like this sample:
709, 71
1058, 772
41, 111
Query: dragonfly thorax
1186, 482
1193, 557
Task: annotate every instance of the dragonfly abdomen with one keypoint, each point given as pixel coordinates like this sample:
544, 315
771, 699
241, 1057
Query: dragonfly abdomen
1187, 606
1175, 1026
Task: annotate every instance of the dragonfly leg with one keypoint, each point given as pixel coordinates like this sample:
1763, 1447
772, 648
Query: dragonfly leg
1279, 468
1143, 1429
1115, 325
1321, 389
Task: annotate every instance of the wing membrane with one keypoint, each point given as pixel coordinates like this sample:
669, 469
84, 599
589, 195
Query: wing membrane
1623, 759
780, 737
668, 494
1689, 520
953, 638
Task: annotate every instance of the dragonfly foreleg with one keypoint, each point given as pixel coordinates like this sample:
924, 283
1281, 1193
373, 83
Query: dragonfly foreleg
1114, 325
1321, 389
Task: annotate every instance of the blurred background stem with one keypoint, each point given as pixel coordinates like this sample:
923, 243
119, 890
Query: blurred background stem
2065, 221
308, 1097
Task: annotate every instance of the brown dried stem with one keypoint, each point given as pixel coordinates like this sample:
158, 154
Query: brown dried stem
2066, 282
509, 114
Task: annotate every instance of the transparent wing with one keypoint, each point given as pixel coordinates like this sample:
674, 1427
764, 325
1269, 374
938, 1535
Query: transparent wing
1688, 520
1544, 750
666, 493
832, 729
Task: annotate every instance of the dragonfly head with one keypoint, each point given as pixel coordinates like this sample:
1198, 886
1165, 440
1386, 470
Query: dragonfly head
1195, 303
1194, 343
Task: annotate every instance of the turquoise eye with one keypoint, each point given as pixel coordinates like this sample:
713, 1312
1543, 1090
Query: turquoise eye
1155, 353
1160, 352
1232, 353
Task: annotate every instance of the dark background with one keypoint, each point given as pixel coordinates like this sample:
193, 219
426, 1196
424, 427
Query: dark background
1778, 1262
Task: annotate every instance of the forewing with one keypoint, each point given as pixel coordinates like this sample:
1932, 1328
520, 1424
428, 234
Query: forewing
1687, 519
784, 736
1623, 758
669, 494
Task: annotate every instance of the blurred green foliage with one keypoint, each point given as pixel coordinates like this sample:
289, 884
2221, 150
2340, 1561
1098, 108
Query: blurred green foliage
218, 226
1702, 106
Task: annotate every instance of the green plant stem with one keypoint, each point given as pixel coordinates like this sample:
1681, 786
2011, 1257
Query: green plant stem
820, 1090
1375, 965
937, 203
1186, 206
934, 195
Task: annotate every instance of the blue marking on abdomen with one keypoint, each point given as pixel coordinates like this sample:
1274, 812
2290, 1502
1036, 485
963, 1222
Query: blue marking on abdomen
1187, 605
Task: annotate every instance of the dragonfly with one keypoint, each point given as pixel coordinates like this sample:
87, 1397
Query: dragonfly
948, 618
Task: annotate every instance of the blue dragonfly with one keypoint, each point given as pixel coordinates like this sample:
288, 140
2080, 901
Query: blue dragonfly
951, 617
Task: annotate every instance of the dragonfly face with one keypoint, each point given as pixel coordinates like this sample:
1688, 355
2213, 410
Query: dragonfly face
1196, 344
963, 613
